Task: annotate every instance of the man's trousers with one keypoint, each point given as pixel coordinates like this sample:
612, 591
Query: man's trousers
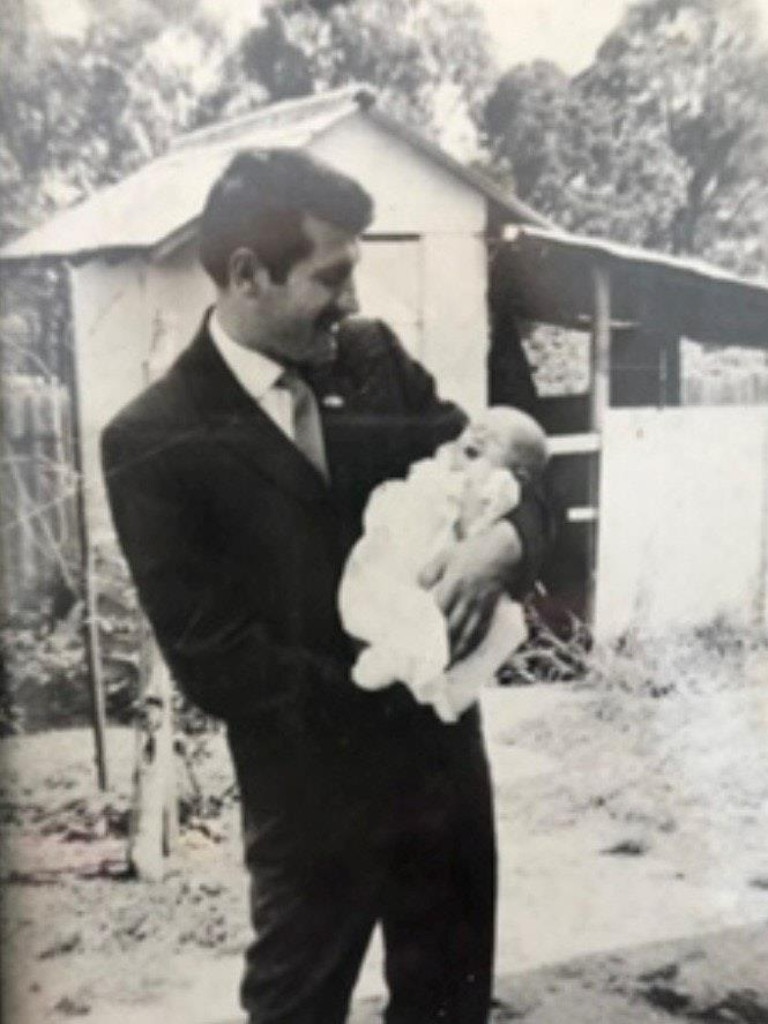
387, 821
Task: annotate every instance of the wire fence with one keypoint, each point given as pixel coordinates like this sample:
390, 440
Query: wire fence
40, 536
746, 388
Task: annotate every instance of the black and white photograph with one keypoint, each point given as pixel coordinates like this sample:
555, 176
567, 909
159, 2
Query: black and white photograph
384, 511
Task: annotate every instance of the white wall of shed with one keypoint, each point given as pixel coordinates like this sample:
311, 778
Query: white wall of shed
455, 339
429, 283
683, 530
111, 322
178, 293
412, 193
131, 319
390, 287
416, 195
431, 290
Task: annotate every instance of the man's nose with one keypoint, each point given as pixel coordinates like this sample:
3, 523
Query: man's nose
347, 300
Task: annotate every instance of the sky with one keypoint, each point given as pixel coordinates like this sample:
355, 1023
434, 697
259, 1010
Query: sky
565, 31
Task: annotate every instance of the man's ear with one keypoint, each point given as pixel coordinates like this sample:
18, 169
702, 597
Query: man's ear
246, 274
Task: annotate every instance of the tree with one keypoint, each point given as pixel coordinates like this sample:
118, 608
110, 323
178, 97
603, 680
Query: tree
660, 142
429, 59
77, 112
525, 120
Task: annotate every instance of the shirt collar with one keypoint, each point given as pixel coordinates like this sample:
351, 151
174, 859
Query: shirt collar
254, 371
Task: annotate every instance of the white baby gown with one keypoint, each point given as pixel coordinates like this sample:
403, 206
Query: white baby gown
407, 523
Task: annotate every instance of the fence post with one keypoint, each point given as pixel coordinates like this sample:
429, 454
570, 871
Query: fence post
155, 817
761, 596
600, 376
90, 623
154, 821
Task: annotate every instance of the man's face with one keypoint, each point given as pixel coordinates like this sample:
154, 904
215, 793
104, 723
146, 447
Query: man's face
319, 291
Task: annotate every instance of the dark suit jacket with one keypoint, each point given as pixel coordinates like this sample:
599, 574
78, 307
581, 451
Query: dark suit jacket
234, 541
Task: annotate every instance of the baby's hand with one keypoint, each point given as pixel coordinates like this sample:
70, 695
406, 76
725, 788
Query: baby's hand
373, 670
470, 580
433, 569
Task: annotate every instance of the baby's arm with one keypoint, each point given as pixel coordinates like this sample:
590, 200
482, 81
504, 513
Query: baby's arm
487, 499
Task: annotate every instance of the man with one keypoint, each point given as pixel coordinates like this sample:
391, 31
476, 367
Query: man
237, 484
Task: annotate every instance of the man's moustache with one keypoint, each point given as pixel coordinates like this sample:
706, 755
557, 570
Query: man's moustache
329, 320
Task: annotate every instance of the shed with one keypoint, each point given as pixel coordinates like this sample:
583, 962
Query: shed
138, 292
666, 502
634, 468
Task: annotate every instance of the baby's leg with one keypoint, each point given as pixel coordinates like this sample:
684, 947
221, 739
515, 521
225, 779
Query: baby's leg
467, 677
409, 644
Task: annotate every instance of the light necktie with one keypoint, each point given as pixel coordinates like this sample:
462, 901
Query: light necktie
307, 429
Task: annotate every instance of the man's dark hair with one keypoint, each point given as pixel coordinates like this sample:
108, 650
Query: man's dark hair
259, 202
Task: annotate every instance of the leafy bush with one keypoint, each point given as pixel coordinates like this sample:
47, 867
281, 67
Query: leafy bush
46, 682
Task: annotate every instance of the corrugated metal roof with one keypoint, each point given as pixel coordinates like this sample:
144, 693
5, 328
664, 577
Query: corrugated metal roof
547, 276
586, 245
158, 201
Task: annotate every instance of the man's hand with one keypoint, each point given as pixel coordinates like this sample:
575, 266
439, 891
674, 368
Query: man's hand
468, 580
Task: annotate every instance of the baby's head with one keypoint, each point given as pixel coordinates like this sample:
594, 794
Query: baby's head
507, 439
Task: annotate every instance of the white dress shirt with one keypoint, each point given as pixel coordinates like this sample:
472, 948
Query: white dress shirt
257, 374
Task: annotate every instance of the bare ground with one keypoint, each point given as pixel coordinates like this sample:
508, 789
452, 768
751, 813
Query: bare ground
633, 830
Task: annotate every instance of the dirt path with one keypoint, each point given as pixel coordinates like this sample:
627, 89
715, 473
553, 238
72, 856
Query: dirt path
634, 873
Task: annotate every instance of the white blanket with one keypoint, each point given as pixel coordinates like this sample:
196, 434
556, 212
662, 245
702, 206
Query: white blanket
407, 523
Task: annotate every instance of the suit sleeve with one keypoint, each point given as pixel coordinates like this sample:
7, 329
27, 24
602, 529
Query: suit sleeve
536, 523
223, 660
533, 519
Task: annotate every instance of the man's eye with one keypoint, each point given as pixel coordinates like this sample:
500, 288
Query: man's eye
334, 278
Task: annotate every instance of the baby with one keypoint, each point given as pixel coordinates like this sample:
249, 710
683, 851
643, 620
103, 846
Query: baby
464, 489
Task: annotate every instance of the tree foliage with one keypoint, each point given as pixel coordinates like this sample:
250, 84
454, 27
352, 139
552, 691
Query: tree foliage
428, 59
80, 111
662, 141
77, 112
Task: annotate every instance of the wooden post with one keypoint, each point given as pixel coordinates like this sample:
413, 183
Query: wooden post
90, 623
670, 368
155, 821
600, 356
93, 652
760, 617
601, 347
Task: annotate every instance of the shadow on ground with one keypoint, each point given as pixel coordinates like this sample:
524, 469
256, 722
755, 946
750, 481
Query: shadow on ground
720, 978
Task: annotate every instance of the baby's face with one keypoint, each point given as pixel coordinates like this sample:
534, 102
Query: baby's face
479, 441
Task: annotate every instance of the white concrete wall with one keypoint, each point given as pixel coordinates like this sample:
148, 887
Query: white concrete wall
683, 535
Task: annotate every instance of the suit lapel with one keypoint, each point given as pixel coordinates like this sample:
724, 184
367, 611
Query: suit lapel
238, 422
